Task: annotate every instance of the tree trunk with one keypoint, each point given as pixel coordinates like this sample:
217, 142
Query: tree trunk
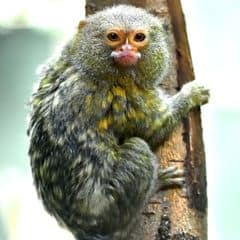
176, 214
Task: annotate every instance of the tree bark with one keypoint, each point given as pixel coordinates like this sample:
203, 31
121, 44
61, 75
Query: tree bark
174, 214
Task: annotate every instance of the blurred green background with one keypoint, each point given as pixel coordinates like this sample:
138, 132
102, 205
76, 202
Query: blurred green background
31, 30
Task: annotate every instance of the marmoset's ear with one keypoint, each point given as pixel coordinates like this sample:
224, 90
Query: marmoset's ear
81, 24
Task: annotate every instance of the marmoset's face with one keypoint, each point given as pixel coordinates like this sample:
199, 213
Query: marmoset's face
126, 45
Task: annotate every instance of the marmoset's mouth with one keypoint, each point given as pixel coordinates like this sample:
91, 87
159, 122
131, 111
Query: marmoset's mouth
126, 58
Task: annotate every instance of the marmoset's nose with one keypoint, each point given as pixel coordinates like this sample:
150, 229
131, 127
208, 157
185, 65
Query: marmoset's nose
126, 47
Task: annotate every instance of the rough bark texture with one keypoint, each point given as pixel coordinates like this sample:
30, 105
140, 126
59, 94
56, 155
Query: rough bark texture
174, 214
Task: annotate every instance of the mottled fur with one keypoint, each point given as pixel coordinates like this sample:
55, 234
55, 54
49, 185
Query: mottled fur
94, 126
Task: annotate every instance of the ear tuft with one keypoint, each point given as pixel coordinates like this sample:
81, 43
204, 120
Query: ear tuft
82, 24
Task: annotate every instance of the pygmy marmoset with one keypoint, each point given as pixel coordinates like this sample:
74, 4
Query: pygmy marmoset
96, 118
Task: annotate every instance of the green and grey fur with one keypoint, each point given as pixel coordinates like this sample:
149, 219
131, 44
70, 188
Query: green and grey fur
94, 126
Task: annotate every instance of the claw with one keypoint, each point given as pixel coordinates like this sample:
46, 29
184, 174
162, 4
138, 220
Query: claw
198, 93
171, 176
175, 181
166, 171
170, 172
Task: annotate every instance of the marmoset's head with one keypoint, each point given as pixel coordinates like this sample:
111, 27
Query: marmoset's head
122, 40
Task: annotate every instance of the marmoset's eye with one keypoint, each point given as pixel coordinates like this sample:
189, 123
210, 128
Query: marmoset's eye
112, 36
139, 37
